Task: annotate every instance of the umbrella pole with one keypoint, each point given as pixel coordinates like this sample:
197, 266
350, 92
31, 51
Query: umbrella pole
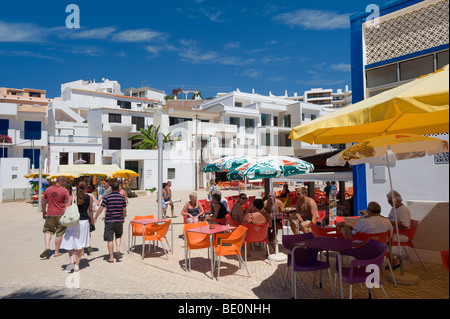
277, 256
405, 279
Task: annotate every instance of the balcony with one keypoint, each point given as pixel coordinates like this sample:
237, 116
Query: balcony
78, 140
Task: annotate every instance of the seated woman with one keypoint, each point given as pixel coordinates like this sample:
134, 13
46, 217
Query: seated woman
193, 209
218, 210
255, 215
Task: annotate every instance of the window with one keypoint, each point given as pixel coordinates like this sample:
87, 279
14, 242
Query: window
34, 94
381, 76
249, 125
313, 117
266, 139
287, 120
235, 121
32, 130
4, 126
115, 118
442, 59
263, 119
171, 173
124, 105
33, 156
63, 158
238, 104
115, 143
139, 121
417, 67
275, 121
3, 152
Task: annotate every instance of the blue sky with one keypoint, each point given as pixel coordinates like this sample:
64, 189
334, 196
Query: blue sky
208, 45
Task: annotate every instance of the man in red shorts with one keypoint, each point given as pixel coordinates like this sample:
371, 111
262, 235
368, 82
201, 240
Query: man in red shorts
54, 203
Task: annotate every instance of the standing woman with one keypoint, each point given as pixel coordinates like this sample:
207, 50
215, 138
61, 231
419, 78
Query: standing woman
77, 237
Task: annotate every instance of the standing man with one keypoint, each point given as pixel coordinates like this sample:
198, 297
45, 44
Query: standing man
54, 203
306, 211
169, 192
116, 211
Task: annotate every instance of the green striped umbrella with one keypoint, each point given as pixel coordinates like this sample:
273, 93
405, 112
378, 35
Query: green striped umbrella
271, 167
228, 163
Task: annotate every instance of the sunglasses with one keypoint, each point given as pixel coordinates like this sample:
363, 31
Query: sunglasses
244, 198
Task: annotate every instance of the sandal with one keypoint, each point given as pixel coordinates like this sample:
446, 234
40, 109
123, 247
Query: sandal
45, 253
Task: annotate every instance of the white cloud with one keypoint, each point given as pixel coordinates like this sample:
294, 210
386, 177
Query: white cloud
341, 67
314, 19
232, 45
100, 33
138, 35
21, 32
250, 73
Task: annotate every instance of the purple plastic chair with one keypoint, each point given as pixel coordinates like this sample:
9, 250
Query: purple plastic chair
372, 253
288, 242
304, 259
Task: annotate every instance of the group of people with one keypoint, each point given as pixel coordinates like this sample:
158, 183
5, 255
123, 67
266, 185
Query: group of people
260, 211
76, 238
374, 223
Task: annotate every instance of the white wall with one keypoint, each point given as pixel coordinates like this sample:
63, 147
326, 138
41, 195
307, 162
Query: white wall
415, 179
13, 167
182, 161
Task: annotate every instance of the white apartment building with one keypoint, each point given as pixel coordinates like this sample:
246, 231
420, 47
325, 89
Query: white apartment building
263, 122
326, 98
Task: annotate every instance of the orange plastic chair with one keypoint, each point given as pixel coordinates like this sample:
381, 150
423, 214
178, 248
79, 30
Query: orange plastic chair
195, 240
137, 229
322, 214
233, 242
232, 222
325, 231
408, 232
257, 234
157, 233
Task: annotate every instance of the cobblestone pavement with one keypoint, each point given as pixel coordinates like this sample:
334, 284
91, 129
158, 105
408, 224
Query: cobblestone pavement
24, 275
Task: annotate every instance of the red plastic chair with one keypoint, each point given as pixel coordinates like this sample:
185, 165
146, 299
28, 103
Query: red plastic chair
325, 231
444, 256
205, 204
221, 221
232, 222
257, 234
408, 232
322, 214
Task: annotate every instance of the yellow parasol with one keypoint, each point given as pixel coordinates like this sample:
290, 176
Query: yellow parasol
418, 107
36, 175
125, 173
66, 175
98, 174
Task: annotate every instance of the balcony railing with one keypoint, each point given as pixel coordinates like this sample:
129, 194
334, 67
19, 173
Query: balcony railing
69, 139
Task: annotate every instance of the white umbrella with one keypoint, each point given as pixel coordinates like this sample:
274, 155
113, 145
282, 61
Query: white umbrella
386, 149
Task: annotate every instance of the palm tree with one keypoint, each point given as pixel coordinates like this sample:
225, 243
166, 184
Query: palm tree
148, 139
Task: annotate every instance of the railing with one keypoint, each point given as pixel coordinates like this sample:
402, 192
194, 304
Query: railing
69, 139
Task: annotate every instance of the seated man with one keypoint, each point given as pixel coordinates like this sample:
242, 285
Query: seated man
373, 224
306, 211
272, 204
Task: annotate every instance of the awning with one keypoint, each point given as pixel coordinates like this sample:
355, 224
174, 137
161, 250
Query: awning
78, 169
313, 177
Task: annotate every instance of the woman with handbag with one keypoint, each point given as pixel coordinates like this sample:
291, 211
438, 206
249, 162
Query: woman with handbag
77, 236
